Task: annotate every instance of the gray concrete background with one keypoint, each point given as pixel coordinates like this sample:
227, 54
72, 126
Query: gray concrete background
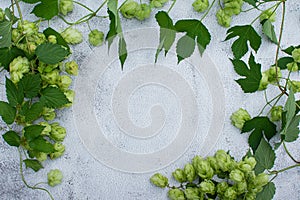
87, 178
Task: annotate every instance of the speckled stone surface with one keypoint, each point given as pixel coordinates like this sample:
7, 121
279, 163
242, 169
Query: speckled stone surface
87, 178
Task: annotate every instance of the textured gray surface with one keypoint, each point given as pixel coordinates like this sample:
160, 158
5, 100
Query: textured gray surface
87, 178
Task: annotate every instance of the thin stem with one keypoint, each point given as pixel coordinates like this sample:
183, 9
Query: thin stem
269, 102
123, 4
208, 10
284, 169
19, 10
84, 6
40, 183
103, 4
171, 7
24, 181
278, 47
289, 154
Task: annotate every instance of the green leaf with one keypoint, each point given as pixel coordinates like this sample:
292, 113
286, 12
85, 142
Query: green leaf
24, 108
10, 15
290, 107
167, 32
14, 95
112, 33
51, 53
290, 49
245, 34
251, 2
267, 193
5, 34
265, 155
41, 145
60, 40
53, 97
7, 112
260, 126
31, 85
282, 62
268, 30
34, 112
33, 131
122, 51
252, 73
8, 54
185, 47
12, 138
47, 9
33, 164
290, 131
31, 1
194, 28
115, 29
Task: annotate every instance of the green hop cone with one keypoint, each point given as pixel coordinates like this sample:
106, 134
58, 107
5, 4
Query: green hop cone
28, 28
224, 161
51, 78
296, 55
207, 187
222, 187
244, 167
261, 180
65, 6
268, 14
40, 156
52, 39
58, 133
2, 15
276, 113
54, 177
143, 12
71, 68
70, 94
96, 37
232, 8
223, 18
293, 67
46, 68
129, 9
264, 81
47, 129
236, 175
16, 35
176, 194
250, 196
200, 5
230, 193
179, 175
65, 82
72, 36
202, 167
59, 150
158, 3
190, 172
192, 193
272, 74
239, 117
18, 67
213, 163
159, 180
48, 114
240, 188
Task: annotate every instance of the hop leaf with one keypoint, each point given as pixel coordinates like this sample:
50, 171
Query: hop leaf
245, 34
